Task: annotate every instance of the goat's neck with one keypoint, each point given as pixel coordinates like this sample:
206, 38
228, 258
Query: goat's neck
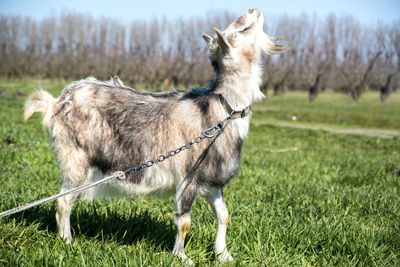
240, 89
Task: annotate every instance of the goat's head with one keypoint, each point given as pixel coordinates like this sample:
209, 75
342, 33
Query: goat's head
241, 44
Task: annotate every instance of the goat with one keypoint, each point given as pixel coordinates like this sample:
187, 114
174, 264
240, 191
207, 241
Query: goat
96, 128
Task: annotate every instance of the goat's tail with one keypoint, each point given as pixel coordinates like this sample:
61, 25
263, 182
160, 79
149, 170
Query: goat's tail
39, 101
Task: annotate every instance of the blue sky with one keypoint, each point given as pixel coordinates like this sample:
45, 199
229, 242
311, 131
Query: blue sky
368, 11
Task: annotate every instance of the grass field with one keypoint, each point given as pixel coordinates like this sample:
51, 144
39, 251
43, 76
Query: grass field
302, 198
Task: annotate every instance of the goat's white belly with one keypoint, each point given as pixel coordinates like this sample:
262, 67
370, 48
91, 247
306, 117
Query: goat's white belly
155, 183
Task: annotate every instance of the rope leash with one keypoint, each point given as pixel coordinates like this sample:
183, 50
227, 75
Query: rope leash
48, 199
121, 175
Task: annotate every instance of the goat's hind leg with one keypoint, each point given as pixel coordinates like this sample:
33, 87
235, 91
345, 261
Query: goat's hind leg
216, 201
64, 207
74, 170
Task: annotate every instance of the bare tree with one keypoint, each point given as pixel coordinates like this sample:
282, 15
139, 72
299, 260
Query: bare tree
360, 54
387, 78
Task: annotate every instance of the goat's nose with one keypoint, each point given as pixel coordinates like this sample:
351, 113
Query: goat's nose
251, 10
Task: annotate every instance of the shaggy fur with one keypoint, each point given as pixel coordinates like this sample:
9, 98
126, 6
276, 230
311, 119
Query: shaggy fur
96, 128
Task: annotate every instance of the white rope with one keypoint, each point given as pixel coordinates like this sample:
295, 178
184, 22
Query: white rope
48, 199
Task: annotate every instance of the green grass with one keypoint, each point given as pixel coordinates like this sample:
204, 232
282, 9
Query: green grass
333, 202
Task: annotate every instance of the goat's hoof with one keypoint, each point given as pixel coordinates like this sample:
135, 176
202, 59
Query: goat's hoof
224, 256
184, 258
187, 261
66, 238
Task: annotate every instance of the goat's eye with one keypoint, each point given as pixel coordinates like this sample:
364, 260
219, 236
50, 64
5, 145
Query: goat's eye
245, 29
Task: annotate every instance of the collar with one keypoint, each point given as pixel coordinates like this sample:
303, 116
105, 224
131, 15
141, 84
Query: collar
234, 114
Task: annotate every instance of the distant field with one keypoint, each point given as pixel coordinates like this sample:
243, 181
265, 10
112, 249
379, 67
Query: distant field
333, 109
306, 198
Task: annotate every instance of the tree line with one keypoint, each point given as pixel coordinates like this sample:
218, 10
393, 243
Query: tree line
333, 52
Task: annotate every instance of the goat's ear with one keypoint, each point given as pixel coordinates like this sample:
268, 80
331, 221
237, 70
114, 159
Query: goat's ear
222, 42
209, 40
271, 48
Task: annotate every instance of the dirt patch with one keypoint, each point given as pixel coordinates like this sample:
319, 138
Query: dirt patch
367, 132
266, 109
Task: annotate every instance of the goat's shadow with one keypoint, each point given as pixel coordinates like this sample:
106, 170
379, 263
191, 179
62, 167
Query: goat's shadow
110, 225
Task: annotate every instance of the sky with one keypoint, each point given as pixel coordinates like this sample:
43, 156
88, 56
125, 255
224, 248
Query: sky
367, 11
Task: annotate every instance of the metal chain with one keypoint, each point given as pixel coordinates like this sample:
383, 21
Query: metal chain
121, 175
208, 133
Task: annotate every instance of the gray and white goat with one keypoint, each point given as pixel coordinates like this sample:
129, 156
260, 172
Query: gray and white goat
96, 128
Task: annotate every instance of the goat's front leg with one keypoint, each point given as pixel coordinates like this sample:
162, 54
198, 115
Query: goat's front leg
216, 201
184, 199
